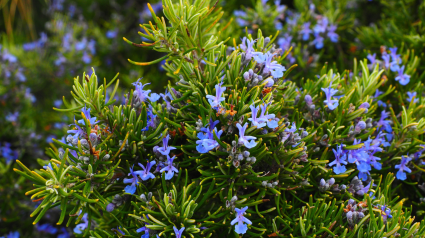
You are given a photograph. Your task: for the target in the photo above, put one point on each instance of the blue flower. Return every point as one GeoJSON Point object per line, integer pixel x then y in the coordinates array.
{"type": "Point", "coordinates": [241, 227]}
{"type": "Point", "coordinates": [145, 229]}
{"type": "Point", "coordinates": [169, 168]}
{"type": "Point", "coordinates": [340, 158]}
{"type": "Point", "coordinates": [402, 167]}
{"type": "Point", "coordinates": [293, 128]}
{"type": "Point", "coordinates": [47, 228]}
{"type": "Point", "coordinates": [385, 124]}
{"type": "Point", "coordinates": [165, 149]}
{"type": "Point", "coordinates": [318, 41]}
{"type": "Point", "coordinates": [270, 66]}
{"type": "Point", "coordinates": [86, 112]}
{"type": "Point", "coordinates": [13, 234]}
{"type": "Point", "coordinates": [239, 17]}
{"type": "Point", "coordinates": [272, 122]}
{"type": "Point", "coordinates": [146, 174]}
{"type": "Point", "coordinates": [177, 232]}
{"type": "Point", "coordinates": [385, 213]}
{"type": "Point", "coordinates": [330, 92]}
{"type": "Point", "coordinates": [321, 25]}
{"type": "Point", "coordinates": [258, 122]}
{"type": "Point", "coordinates": [306, 31]}
{"type": "Point", "coordinates": [285, 42]}
{"type": "Point", "coordinates": [7, 152]}
{"type": "Point", "coordinates": [206, 141]}
{"type": "Point", "coordinates": [411, 95]}
{"type": "Point", "coordinates": [331, 33]}
{"type": "Point", "coordinates": [131, 189]}
{"type": "Point", "coordinates": [215, 101]}
{"type": "Point", "coordinates": [386, 57]}
{"type": "Point", "coordinates": [364, 190]}
{"type": "Point", "coordinates": [141, 95]}
{"type": "Point", "coordinates": [402, 78]}
{"type": "Point", "coordinates": [112, 33]}
{"type": "Point", "coordinates": [64, 234]}
{"type": "Point", "coordinates": [82, 226]}
{"type": "Point", "coordinates": [77, 131]}
{"type": "Point", "coordinates": [247, 47]}
{"type": "Point", "coordinates": [245, 139]}
{"type": "Point", "coordinates": [12, 117]}
{"type": "Point", "coordinates": [150, 119]}
{"type": "Point", "coordinates": [167, 97]}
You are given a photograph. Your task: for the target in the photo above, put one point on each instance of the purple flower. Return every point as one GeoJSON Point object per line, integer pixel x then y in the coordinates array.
{"type": "Point", "coordinates": [131, 189]}
{"type": "Point", "coordinates": [13, 234]}
{"type": "Point", "coordinates": [239, 17]}
{"type": "Point", "coordinates": [402, 78]}
{"type": "Point", "coordinates": [396, 57]}
{"type": "Point", "coordinates": [285, 42]}
{"type": "Point", "coordinates": [82, 226]}
{"type": "Point", "coordinates": [293, 128]}
{"type": "Point", "coordinates": [385, 124]}
{"type": "Point", "coordinates": [340, 158]}
{"type": "Point", "coordinates": [177, 232]}
{"type": "Point", "coordinates": [47, 228]}
{"type": "Point", "coordinates": [372, 59]}
{"type": "Point", "coordinates": [386, 58]}
{"type": "Point", "coordinates": [7, 152]}
{"type": "Point", "coordinates": [86, 112]}
{"type": "Point", "coordinates": [247, 47]}
{"type": "Point", "coordinates": [385, 213]}
{"type": "Point", "coordinates": [402, 167]}
{"type": "Point", "coordinates": [145, 229]}
{"type": "Point", "coordinates": [330, 92]}
{"type": "Point", "coordinates": [306, 31]}
{"type": "Point", "coordinates": [169, 168]}
{"type": "Point", "coordinates": [215, 101]}
{"type": "Point", "coordinates": [258, 122]}
{"type": "Point", "coordinates": [318, 41]}
{"type": "Point", "coordinates": [146, 174]}
{"type": "Point", "coordinates": [272, 122]}
{"type": "Point", "coordinates": [364, 190]}
{"type": "Point", "coordinates": [112, 33]}
{"type": "Point", "coordinates": [321, 25]}
{"type": "Point", "coordinates": [165, 149]}
{"type": "Point", "coordinates": [12, 117]}
{"type": "Point", "coordinates": [241, 227]}
{"type": "Point", "coordinates": [206, 141]}
{"type": "Point", "coordinates": [365, 106]}
{"type": "Point", "coordinates": [411, 95]}
{"type": "Point", "coordinates": [331, 33]}
{"type": "Point", "coordinates": [245, 139]}
{"type": "Point", "coordinates": [141, 95]}
{"type": "Point", "coordinates": [168, 97]}
{"type": "Point", "coordinates": [77, 131]}
{"type": "Point", "coordinates": [270, 66]}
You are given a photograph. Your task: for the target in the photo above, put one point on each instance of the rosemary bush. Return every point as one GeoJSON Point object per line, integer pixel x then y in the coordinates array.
{"type": "Point", "coordinates": [244, 142]}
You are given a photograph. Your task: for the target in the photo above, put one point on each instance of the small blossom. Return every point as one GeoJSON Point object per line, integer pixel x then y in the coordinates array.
{"type": "Point", "coordinates": [340, 159]}
{"type": "Point", "coordinates": [306, 31]}
{"type": "Point", "coordinates": [385, 124]}
{"type": "Point", "coordinates": [402, 78]}
{"type": "Point", "coordinates": [131, 189]}
{"type": "Point", "coordinates": [402, 168]}
{"type": "Point", "coordinates": [330, 92]}
{"type": "Point", "coordinates": [177, 232]}
{"type": "Point", "coordinates": [258, 122]}
{"type": "Point", "coordinates": [165, 149]}
{"type": "Point", "coordinates": [82, 226]}
{"type": "Point", "coordinates": [331, 33]}
{"type": "Point", "coordinates": [146, 174]}
{"type": "Point", "coordinates": [215, 101]}
{"type": "Point", "coordinates": [169, 168]}
{"type": "Point", "coordinates": [86, 112]}
{"type": "Point", "coordinates": [206, 141]}
{"type": "Point", "coordinates": [411, 95]}
{"type": "Point", "coordinates": [270, 66]}
{"type": "Point", "coordinates": [245, 140]}
{"type": "Point", "coordinates": [141, 95]}
{"type": "Point", "coordinates": [318, 41]}
{"type": "Point", "coordinates": [385, 213]}
{"type": "Point", "coordinates": [247, 47]}
{"type": "Point", "coordinates": [241, 227]}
